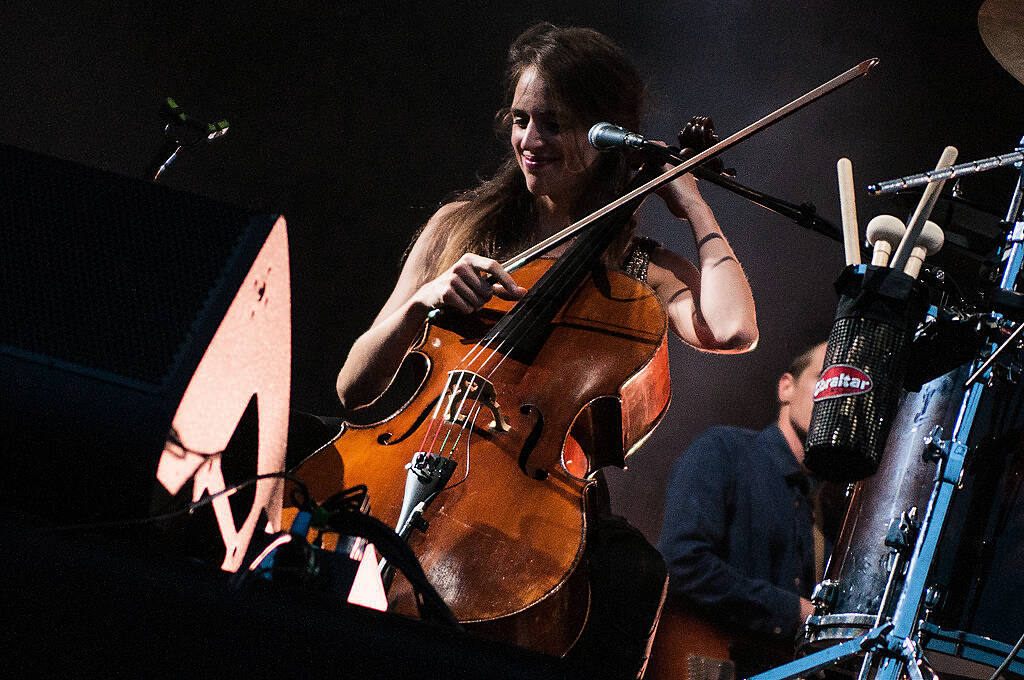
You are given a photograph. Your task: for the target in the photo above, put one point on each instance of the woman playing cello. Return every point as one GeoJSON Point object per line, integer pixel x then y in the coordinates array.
{"type": "Point", "coordinates": [561, 81]}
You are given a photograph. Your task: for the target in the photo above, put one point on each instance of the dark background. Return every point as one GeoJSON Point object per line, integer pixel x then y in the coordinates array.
{"type": "Point", "coordinates": [356, 119]}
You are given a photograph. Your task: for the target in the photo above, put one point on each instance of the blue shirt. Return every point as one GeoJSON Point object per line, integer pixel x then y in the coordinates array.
{"type": "Point", "coordinates": [737, 533]}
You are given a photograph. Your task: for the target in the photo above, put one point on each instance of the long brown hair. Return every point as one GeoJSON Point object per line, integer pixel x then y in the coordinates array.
{"type": "Point", "coordinates": [591, 80]}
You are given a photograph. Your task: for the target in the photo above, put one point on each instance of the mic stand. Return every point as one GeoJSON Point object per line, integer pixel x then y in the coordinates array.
{"type": "Point", "coordinates": [1014, 259]}
{"type": "Point", "coordinates": [804, 214]}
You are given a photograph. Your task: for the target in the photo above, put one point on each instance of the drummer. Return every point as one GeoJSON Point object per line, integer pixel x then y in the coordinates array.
{"type": "Point", "coordinates": [739, 531]}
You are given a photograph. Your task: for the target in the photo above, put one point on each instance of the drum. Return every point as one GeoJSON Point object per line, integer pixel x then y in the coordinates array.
{"type": "Point", "coordinates": [974, 608]}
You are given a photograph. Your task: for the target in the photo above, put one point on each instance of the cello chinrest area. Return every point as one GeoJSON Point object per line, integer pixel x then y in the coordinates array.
{"type": "Point", "coordinates": [505, 538]}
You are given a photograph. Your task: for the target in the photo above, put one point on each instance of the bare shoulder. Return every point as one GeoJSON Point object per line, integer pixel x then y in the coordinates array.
{"type": "Point", "coordinates": [431, 239]}
{"type": "Point", "coordinates": [432, 229]}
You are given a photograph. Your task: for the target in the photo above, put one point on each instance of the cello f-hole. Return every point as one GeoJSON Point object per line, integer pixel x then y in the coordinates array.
{"type": "Point", "coordinates": [531, 442]}
{"type": "Point", "coordinates": [385, 438]}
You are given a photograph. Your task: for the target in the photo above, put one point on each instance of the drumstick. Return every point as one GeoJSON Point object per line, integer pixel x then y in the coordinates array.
{"type": "Point", "coordinates": [931, 240]}
{"type": "Point", "coordinates": [848, 208]}
{"type": "Point", "coordinates": [884, 233]}
{"type": "Point", "coordinates": [923, 211]}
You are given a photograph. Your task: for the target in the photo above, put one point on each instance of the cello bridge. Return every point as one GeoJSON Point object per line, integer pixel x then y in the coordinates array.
{"type": "Point", "coordinates": [466, 392]}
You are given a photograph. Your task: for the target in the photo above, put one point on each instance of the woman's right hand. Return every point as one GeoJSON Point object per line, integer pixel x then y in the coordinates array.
{"type": "Point", "coordinates": [467, 285]}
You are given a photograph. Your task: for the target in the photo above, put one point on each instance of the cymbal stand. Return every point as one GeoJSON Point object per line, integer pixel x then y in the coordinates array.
{"type": "Point", "coordinates": [894, 644]}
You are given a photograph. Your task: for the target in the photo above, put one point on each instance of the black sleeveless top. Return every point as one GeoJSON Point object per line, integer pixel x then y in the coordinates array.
{"type": "Point", "coordinates": [638, 257]}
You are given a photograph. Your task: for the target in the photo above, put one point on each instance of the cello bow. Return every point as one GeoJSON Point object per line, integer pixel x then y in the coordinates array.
{"type": "Point", "coordinates": [538, 249]}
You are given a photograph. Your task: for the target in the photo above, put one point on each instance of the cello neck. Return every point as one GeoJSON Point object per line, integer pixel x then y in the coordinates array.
{"type": "Point", "coordinates": [526, 326]}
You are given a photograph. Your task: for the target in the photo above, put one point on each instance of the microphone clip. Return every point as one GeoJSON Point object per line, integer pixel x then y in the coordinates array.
{"type": "Point", "coordinates": [180, 130]}
{"type": "Point", "coordinates": [185, 130]}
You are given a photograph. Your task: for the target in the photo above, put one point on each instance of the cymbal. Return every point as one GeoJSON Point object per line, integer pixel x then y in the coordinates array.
{"type": "Point", "coordinates": [1001, 23]}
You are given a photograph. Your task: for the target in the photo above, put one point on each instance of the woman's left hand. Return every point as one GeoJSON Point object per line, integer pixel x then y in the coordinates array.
{"type": "Point", "coordinates": [682, 196]}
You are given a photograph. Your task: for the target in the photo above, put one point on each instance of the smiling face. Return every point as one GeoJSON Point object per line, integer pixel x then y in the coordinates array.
{"type": "Point", "coordinates": [555, 161]}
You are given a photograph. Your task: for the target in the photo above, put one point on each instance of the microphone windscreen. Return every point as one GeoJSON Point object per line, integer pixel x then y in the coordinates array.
{"type": "Point", "coordinates": [607, 136]}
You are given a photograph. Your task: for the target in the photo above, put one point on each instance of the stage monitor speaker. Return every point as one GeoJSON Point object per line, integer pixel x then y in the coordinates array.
{"type": "Point", "coordinates": [139, 326]}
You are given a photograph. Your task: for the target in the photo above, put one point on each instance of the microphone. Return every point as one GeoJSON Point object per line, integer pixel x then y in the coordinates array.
{"type": "Point", "coordinates": [605, 136]}
{"type": "Point", "coordinates": [181, 130]}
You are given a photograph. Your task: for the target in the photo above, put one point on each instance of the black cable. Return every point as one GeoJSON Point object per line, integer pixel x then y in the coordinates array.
{"type": "Point", "coordinates": [352, 522]}
{"type": "Point", "coordinates": [342, 513]}
{"type": "Point", "coordinates": [1008, 660]}
{"type": "Point", "coordinates": [187, 510]}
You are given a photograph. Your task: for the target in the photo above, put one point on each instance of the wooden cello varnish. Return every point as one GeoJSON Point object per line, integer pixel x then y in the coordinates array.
{"type": "Point", "coordinates": [505, 542]}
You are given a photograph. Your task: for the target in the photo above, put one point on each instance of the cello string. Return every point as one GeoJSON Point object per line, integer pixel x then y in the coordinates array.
{"type": "Point", "coordinates": [476, 348]}
{"type": "Point", "coordinates": [562, 278]}
{"type": "Point", "coordinates": [555, 292]}
{"type": "Point", "coordinates": [566, 274]}
{"type": "Point", "coordinates": [433, 417]}
{"type": "Point", "coordinates": [458, 413]}
{"type": "Point", "coordinates": [465, 476]}
{"type": "Point", "coordinates": [474, 412]}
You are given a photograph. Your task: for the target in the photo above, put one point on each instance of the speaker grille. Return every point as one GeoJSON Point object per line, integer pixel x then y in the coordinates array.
{"type": "Point", "coordinates": [127, 265]}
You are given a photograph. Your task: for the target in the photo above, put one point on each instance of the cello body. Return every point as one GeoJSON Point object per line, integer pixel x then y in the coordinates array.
{"type": "Point", "coordinates": [504, 545]}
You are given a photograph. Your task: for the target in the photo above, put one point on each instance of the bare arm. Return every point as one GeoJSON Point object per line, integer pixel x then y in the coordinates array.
{"type": "Point", "coordinates": [377, 354]}
{"type": "Point", "coordinates": [710, 306]}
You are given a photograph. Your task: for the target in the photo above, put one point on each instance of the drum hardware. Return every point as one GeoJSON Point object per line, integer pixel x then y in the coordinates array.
{"type": "Point", "coordinates": [995, 354]}
{"type": "Point", "coordinates": [824, 595]}
{"type": "Point", "coordinates": [889, 647]}
{"type": "Point", "coordinates": [894, 633]}
{"type": "Point", "coordinates": [912, 549]}
{"type": "Point", "coordinates": [893, 630]}
{"type": "Point", "coordinates": [903, 532]}
{"type": "Point", "coordinates": [933, 597]}
{"type": "Point", "coordinates": [900, 538]}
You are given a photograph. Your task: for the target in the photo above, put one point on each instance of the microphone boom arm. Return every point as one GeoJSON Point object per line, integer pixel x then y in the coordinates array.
{"type": "Point", "coordinates": [804, 214]}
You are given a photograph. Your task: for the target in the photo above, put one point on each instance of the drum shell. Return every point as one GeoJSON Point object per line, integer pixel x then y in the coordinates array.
{"type": "Point", "coordinates": [978, 572]}
{"type": "Point", "coordinates": [982, 545]}
{"type": "Point", "coordinates": [860, 560]}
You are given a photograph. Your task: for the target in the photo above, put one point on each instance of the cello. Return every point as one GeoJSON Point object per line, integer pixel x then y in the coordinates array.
{"type": "Point", "coordinates": [520, 405]}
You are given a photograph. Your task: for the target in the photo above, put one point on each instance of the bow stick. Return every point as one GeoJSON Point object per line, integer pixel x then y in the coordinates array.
{"type": "Point", "coordinates": [564, 235]}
